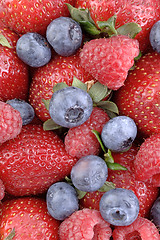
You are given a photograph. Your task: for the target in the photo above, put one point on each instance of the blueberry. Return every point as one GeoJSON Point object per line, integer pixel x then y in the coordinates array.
{"type": "Point", "coordinates": [119, 207]}
{"type": "Point", "coordinates": [65, 35]}
{"type": "Point", "coordinates": [26, 110]}
{"type": "Point", "coordinates": [61, 200]}
{"type": "Point", "coordinates": [33, 49]}
{"type": "Point", "coordinates": [119, 133]}
{"type": "Point", "coordinates": [89, 173]}
{"type": "Point", "coordinates": [155, 212]}
{"type": "Point", "coordinates": [70, 107]}
{"type": "Point", "coordinates": [154, 36]}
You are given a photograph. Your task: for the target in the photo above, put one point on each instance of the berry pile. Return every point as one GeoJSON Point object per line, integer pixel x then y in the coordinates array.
{"type": "Point", "coordinates": [80, 120]}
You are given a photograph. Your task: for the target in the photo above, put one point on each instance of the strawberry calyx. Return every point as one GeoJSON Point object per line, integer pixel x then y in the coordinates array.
{"type": "Point", "coordinates": [4, 42]}
{"type": "Point", "coordinates": [11, 235]}
{"type": "Point", "coordinates": [97, 91]}
{"type": "Point", "coordinates": [102, 28]}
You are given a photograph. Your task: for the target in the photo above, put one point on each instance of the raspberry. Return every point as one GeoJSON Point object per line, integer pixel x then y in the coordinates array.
{"type": "Point", "coordinates": [85, 224]}
{"type": "Point", "coordinates": [140, 229]}
{"type": "Point", "coordinates": [80, 141]}
{"type": "Point", "coordinates": [2, 189]}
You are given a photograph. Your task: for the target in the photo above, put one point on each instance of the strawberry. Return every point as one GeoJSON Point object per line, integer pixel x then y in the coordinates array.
{"type": "Point", "coordinates": [11, 122]}
{"type": "Point", "coordinates": [32, 16]}
{"type": "Point", "coordinates": [146, 193]}
{"type": "Point", "coordinates": [59, 69]}
{"type": "Point", "coordinates": [27, 218]}
{"type": "Point", "coordinates": [139, 97]}
{"type": "Point", "coordinates": [147, 162]}
{"type": "Point", "coordinates": [140, 229]}
{"type": "Point", "coordinates": [2, 190]}
{"type": "Point", "coordinates": [145, 13]}
{"type": "Point", "coordinates": [34, 160]}
{"type": "Point", "coordinates": [14, 76]}
{"type": "Point", "coordinates": [108, 60]}
{"type": "Point", "coordinates": [80, 141]}
{"type": "Point", "coordinates": [11, 36]}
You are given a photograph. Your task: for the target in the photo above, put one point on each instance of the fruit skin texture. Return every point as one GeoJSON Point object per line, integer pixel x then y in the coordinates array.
{"type": "Point", "coordinates": [59, 69]}
{"type": "Point", "coordinates": [147, 161]}
{"type": "Point", "coordinates": [32, 16]}
{"type": "Point", "coordinates": [85, 224]}
{"type": "Point", "coordinates": [108, 60]}
{"type": "Point", "coordinates": [80, 141]}
{"type": "Point", "coordinates": [30, 219]}
{"type": "Point", "coordinates": [2, 190]}
{"type": "Point", "coordinates": [139, 98]}
{"type": "Point", "coordinates": [145, 192]}
{"type": "Point", "coordinates": [33, 161]}
{"type": "Point", "coordinates": [141, 228]}
{"type": "Point", "coordinates": [11, 122]}
{"type": "Point", "coordinates": [145, 13]}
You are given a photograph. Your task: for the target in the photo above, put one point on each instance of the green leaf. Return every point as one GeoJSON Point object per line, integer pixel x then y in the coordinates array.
{"type": "Point", "coordinates": [46, 103]}
{"type": "Point", "coordinates": [80, 194]}
{"type": "Point", "coordinates": [59, 86]}
{"type": "Point", "coordinates": [50, 125]}
{"type": "Point", "coordinates": [108, 105]}
{"type": "Point", "coordinates": [4, 42]}
{"type": "Point", "coordinates": [116, 166]}
{"type": "Point", "coordinates": [97, 134]}
{"type": "Point", "coordinates": [77, 83]}
{"type": "Point", "coordinates": [11, 235]}
{"type": "Point", "coordinates": [129, 29]}
{"type": "Point", "coordinates": [98, 92]}
{"type": "Point", "coordinates": [89, 28]}
{"type": "Point", "coordinates": [108, 157]}
{"type": "Point", "coordinates": [108, 26]}
{"type": "Point", "coordinates": [107, 186]}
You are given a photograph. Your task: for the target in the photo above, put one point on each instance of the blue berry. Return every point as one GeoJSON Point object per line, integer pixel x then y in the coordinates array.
{"type": "Point", "coordinates": [155, 212]}
{"type": "Point", "coordinates": [119, 133]}
{"type": "Point", "coordinates": [26, 110]}
{"type": "Point", "coordinates": [154, 36]}
{"type": "Point", "coordinates": [33, 49]}
{"type": "Point", "coordinates": [70, 107]}
{"type": "Point", "coordinates": [119, 207]}
{"type": "Point", "coordinates": [89, 173]}
{"type": "Point", "coordinates": [65, 35]}
{"type": "Point", "coordinates": [61, 200]}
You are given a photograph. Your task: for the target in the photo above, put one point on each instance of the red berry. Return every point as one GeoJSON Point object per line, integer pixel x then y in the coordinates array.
{"type": "Point", "coordinates": [85, 224]}
{"type": "Point", "coordinates": [108, 60]}
{"type": "Point", "coordinates": [2, 190]}
{"type": "Point", "coordinates": [140, 229]}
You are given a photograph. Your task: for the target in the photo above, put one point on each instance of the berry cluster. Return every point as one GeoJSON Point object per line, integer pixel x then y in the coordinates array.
{"type": "Point", "coordinates": [80, 120]}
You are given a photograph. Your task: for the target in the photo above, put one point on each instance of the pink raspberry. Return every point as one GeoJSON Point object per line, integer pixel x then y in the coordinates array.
{"type": "Point", "coordinates": [2, 189]}
{"type": "Point", "coordinates": [140, 229]}
{"type": "Point", "coordinates": [11, 122]}
{"type": "Point", "coordinates": [85, 224]}
{"type": "Point", "coordinates": [80, 141]}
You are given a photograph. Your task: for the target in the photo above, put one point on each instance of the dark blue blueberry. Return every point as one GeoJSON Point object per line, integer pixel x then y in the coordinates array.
{"type": "Point", "coordinates": [154, 36]}
{"type": "Point", "coordinates": [65, 35]}
{"type": "Point", "coordinates": [70, 107]}
{"type": "Point", "coordinates": [26, 110]}
{"type": "Point", "coordinates": [61, 200]}
{"type": "Point", "coordinates": [119, 207]}
{"type": "Point", "coordinates": [33, 49]}
{"type": "Point", "coordinates": [119, 133]}
{"type": "Point", "coordinates": [155, 212]}
{"type": "Point", "coordinates": [89, 173]}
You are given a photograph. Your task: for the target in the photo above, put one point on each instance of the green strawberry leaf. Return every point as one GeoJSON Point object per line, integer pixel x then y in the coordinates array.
{"type": "Point", "coordinates": [59, 86]}
{"type": "Point", "coordinates": [83, 17]}
{"type": "Point", "coordinates": [129, 29]}
{"type": "Point", "coordinates": [98, 92]}
{"type": "Point", "coordinates": [11, 235]}
{"type": "Point", "coordinates": [108, 26]}
{"type": "Point", "coordinates": [79, 84]}
{"type": "Point", "coordinates": [4, 42]}
{"type": "Point", "coordinates": [115, 166]}
{"type": "Point", "coordinates": [97, 134]}
{"type": "Point", "coordinates": [107, 186]}
{"type": "Point", "coordinates": [80, 193]}
{"type": "Point", "coordinates": [108, 106]}
{"type": "Point", "coordinates": [46, 103]}
{"type": "Point", "coordinates": [50, 125]}
{"type": "Point", "coordinates": [108, 157]}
